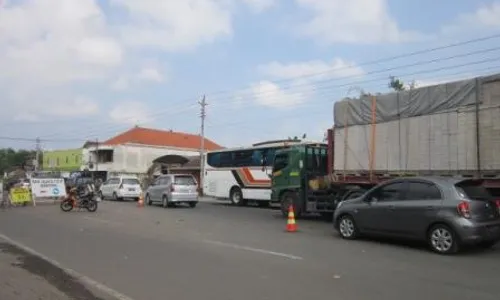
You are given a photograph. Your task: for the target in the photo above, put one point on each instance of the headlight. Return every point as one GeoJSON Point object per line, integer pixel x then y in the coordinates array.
{"type": "Point", "coordinates": [339, 204]}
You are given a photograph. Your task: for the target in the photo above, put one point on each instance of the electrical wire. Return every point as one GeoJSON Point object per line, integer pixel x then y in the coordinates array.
{"type": "Point", "coordinates": [312, 87]}
{"type": "Point", "coordinates": [315, 87]}
{"type": "Point", "coordinates": [366, 63]}
{"type": "Point", "coordinates": [226, 124]}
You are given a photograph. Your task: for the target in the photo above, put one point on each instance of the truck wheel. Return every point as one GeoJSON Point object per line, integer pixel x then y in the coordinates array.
{"type": "Point", "coordinates": [287, 199]}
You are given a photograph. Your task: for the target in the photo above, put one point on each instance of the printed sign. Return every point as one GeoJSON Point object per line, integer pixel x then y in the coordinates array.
{"type": "Point", "coordinates": [20, 195]}
{"type": "Point", "coordinates": [48, 187]}
{"type": "Point", "coordinates": [1, 191]}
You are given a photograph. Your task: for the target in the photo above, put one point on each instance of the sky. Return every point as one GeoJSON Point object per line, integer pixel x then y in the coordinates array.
{"type": "Point", "coordinates": [75, 70]}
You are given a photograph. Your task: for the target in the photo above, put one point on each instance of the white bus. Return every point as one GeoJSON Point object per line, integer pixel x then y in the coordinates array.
{"type": "Point", "coordinates": [243, 174]}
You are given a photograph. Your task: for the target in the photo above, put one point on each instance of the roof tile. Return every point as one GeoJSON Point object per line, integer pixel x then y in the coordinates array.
{"type": "Point", "coordinates": [155, 137]}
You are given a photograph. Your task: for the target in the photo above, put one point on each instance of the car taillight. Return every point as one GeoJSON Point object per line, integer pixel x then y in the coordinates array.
{"type": "Point", "coordinates": [172, 189]}
{"type": "Point", "coordinates": [497, 202]}
{"type": "Point", "coordinates": [120, 187]}
{"type": "Point", "coordinates": [463, 209]}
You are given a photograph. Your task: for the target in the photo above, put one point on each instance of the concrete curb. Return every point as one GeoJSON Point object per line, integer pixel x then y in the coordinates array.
{"type": "Point", "coordinates": [80, 277]}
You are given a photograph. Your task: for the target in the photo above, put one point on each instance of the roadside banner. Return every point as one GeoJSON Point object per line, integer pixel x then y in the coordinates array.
{"type": "Point", "coordinates": [48, 187]}
{"type": "Point", "coordinates": [1, 191]}
{"type": "Point", "coordinates": [19, 195]}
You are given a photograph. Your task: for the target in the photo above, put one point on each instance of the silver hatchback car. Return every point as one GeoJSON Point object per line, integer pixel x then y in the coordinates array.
{"type": "Point", "coordinates": [446, 212]}
{"type": "Point", "coordinates": [173, 189]}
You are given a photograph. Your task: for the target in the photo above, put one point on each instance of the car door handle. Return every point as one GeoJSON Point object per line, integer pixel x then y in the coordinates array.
{"type": "Point", "coordinates": [430, 207]}
{"type": "Point", "coordinates": [392, 207]}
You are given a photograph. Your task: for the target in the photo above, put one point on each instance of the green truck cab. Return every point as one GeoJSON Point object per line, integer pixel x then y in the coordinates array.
{"type": "Point", "coordinates": [298, 177]}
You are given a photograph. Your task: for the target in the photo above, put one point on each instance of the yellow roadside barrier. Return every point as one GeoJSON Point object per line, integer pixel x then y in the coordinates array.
{"type": "Point", "coordinates": [20, 195]}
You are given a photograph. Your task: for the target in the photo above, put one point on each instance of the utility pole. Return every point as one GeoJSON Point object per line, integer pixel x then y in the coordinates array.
{"type": "Point", "coordinates": [37, 154]}
{"type": "Point", "coordinates": [203, 114]}
{"type": "Point", "coordinates": [97, 154]}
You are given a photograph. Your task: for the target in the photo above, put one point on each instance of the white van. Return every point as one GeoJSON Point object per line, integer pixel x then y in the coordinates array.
{"type": "Point", "coordinates": [121, 187]}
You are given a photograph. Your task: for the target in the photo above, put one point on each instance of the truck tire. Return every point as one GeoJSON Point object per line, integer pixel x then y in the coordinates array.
{"type": "Point", "coordinates": [290, 198]}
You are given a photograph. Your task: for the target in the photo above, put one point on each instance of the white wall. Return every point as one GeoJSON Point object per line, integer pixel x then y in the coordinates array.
{"type": "Point", "coordinates": [137, 159]}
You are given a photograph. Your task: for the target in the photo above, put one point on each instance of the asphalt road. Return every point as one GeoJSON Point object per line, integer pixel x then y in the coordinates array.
{"type": "Point", "coordinates": [221, 252]}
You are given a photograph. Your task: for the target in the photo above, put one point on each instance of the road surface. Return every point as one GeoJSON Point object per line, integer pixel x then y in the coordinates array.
{"type": "Point", "coordinates": [221, 252]}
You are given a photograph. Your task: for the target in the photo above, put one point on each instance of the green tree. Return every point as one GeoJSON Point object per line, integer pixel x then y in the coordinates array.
{"type": "Point", "coordinates": [10, 158]}
{"type": "Point", "coordinates": [396, 84]}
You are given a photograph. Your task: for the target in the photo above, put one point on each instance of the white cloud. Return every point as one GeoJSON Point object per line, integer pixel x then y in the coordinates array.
{"type": "Point", "coordinates": [63, 105]}
{"type": "Point", "coordinates": [311, 70]}
{"type": "Point", "coordinates": [150, 74]}
{"type": "Point", "coordinates": [354, 21]}
{"type": "Point", "coordinates": [300, 77]}
{"type": "Point", "coordinates": [121, 84]}
{"type": "Point", "coordinates": [267, 93]}
{"type": "Point", "coordinates": [50, 42]}
{"type": "Point", "coordinates": [130, 113]}
{"type": "Point", "coordinates": [174, 25]}
{"type": "Point", "coordinates": [259, 6]}
{"type": "Point", "coordinates": [484, 17]}
{"type": "Point", "coordinates": [54, 47]}
{"type": "Point", "coordinates": [145, 74]}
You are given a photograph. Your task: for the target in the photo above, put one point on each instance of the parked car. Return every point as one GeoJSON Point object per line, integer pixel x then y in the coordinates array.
{"type": "Point", "coordinates": [121, 187]}
{"type": "Point", "coordinates": [173, 189]}
{"type": "Point", "coordinates": [447, 213]}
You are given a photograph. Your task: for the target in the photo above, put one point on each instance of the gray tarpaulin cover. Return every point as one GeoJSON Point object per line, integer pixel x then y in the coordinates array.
{"type": "Point", "coordinates": [405, 104]}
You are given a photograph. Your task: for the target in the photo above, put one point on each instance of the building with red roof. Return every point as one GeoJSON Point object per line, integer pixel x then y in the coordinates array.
{"type": "Point", "coordinates": [135, 150]}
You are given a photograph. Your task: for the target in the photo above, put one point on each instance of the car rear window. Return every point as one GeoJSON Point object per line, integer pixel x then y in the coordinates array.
{"type": "Point", "coordinates": [130, 181]}
{"type": "Point", "coordinates": [475, 192]}
{"type": "Point", "coordinates": [184, 180]}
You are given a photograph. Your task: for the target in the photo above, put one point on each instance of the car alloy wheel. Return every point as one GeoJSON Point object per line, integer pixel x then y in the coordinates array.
{"type": "Point", "coordinates": [442, 240]}
{"type": "Point", "coordinates": [347, 227]}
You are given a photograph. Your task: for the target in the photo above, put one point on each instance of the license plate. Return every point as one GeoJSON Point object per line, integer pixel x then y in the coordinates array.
{"type": "Point", "coordinates": [131, 190]}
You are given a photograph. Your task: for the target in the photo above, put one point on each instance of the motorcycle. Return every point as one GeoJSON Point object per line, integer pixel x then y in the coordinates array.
{"type": "Point", "coordinates": [81, 197]}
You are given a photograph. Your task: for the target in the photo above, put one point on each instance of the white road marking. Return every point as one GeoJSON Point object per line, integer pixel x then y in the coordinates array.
{"type": "Point", "coordinates": [264, 251]}
{"type": "Point", "coordinates": [82, 278]}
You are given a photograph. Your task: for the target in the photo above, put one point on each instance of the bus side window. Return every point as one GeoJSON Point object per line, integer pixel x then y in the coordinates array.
{"type": "Point", "coordinates": [213, 159]}
{"type": "Point", "coordinates": [270, 157]}
{"type": "Point", "coordinates": [226, 160]}
{"type": "Point", "coordinates": [258, 157]}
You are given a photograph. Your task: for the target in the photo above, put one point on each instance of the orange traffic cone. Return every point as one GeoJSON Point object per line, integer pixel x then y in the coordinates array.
{"type": "Point", "coordinates": [291, 226]}
{"type": "Point", "coordinates": [140, 202]}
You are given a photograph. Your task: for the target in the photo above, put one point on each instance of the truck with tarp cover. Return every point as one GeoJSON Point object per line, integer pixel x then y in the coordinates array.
{"type": "Point", "coordinates": [450, 129]}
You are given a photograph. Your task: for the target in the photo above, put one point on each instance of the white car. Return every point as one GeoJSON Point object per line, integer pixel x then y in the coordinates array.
{"type": "Point", "coordinates": [119, 188]}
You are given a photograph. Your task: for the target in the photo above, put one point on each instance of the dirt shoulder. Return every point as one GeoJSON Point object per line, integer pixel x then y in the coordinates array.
{"type": "Point", "coordinates": [27, 277]}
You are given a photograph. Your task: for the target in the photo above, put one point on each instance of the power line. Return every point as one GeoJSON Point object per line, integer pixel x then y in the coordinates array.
{"type": "Point", "coordinates": [367, 63]}
{"type": "Point", "coordinates": [315, 89]}
{"type": "Point", "coordinates": [322, 110]}
{"type": "Point", "coordinates": [377, 61]}
{"type": "Point", "coordinates": [420, 63]}
{"type": "Point", "coordinates": [313, 86]}
{"type": "Point", "coordinates": [324, 88]}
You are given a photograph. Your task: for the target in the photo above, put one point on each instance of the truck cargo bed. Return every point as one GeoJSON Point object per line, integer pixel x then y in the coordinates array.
{"type": "Point", "coordinates": [462, 138]}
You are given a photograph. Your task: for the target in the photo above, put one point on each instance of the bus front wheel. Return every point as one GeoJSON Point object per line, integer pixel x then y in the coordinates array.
{"type": "Point", "coordinates": [236, 197]}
